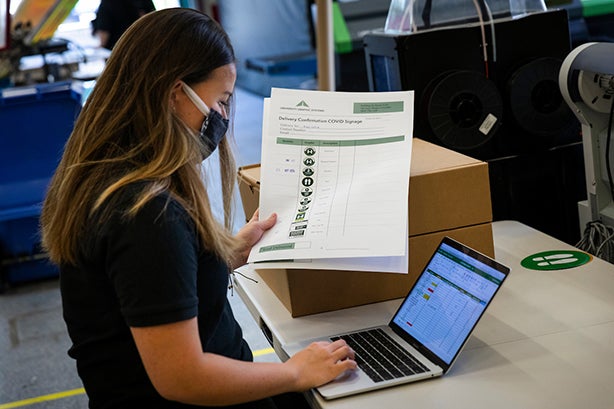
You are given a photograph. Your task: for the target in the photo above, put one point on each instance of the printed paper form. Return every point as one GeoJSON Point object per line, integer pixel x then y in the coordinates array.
{"type": "Point", "coordinates": [335, 168]}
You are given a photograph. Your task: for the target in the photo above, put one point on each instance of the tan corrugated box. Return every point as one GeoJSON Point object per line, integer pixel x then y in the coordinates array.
{"type": "Point", "coordinates": [249, 188]}
{"type": "Point", "coordinates": [449, 194]}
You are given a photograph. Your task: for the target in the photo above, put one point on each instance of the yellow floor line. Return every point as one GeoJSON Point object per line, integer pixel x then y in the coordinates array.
{"type": "Point", "coordinates": [43, 398]}
{"type": "Point", "coordinates": [259, 352]}
{"type": "Point", "coordinates": [80, 391]}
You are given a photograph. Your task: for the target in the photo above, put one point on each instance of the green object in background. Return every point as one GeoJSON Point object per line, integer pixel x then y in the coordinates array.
{"type": "Point", "coordinates": [556, 260]}
{"type": "Point", "coordinates": [591, 8]}
{"type": "Point", "coordinates": [341, 34]}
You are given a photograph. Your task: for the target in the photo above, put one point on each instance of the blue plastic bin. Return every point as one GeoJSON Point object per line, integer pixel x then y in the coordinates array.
{"type": "Point", "coordinates": [35, 122]}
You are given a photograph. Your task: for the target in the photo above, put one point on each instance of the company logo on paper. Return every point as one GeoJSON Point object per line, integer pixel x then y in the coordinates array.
{"type": "Point", "coordinates": [300, 106]}
{"type": "Point", "coordinates": [555, 260]}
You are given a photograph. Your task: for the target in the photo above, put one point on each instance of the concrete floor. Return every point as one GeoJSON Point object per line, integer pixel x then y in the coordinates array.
{"type": "Point", "coordinates": [35, 371]}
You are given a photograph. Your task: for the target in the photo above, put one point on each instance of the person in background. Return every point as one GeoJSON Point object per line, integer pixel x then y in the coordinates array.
{"type": "Point", "coordinates": [144, 264]}
{"type": "Point", "coordinates": [113, 17]}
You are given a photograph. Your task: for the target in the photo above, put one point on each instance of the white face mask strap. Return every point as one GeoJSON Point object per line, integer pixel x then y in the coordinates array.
{"type": "Point", "coordinates": [202, 107]}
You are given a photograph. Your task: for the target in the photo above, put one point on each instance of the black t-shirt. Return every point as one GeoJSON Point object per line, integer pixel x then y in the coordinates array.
{"type": "Point", "coordinates": [142, 271]}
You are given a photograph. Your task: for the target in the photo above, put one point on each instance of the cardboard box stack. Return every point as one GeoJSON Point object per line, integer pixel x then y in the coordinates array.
{"type": "Point", "coordinates": [449, 195]}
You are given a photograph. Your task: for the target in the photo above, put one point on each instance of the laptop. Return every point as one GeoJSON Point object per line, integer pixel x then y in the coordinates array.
{"type": "Point", "coordinates": [430, 328]}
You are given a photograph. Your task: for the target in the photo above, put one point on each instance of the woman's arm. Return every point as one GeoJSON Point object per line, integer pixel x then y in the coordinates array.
{"type": "Point", "coordinates": [180, 371]}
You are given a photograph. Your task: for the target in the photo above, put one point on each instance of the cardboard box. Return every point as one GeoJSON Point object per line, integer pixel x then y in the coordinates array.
{"type": "Point", "coordinates": [306, 292]}
{"type": "Point", "coordinates": [446, 189]}
{"type": "Point", "coordinates": [449, 194]}
{"type": "Point", "coordinates": [249, 189]}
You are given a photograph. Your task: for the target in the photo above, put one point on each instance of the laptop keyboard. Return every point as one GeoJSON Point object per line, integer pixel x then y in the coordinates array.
{"type": "Point", "coordinates": [381, 357]}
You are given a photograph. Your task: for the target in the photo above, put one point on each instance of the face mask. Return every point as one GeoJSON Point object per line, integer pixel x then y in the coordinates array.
{"type": "Point", "coordinates": [214, 126]}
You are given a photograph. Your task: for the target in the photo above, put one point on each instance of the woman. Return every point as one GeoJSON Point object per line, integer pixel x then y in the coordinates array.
{"type": "Point", "coordinates": [144, 266]}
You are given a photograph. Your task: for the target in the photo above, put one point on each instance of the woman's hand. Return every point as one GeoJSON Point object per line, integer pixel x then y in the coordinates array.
{"type": "Point", "coordinates": [320, 363]}
{"type": "Point", "coordinates": [250, 234]}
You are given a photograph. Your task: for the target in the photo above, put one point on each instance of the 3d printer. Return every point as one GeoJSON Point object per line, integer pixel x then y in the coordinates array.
{"type": "Point", "coordinates": [586, 80]}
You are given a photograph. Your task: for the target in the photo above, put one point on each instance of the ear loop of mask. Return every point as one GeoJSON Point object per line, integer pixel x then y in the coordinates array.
{"type": "Point", "coordinates": [202, 107]}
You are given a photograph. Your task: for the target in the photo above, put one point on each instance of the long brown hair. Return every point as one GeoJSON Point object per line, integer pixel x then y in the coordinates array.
{"type": "Point", "coordinates": [127, 132]}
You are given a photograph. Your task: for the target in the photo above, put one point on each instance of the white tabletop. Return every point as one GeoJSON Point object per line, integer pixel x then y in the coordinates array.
{"type": "Point", "coordinates": [546, 341]}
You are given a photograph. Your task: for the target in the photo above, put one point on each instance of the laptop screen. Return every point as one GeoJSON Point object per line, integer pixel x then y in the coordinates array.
{"type": "Point", "coordinates": [449, 298]}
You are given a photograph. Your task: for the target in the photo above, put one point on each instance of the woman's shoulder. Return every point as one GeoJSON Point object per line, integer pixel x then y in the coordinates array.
{"type": "Point", "coordinates": [160, 202]}
{"type": "Point", "coordinates": [133, 201]}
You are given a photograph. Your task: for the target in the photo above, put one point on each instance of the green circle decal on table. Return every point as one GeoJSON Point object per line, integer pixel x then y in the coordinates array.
{"type": "Point", "coordinates": [556, 260]}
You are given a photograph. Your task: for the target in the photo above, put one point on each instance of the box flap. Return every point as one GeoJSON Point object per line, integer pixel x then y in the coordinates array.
{"type": "Point", "coordinates": [251, 174]}
{"type": "Point", "coordinates": [427, 158]}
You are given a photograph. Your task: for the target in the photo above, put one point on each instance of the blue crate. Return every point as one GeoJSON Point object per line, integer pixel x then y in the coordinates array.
{"type": "Point", "coordinates": [21, 258]}
{"type": "Point", "coordinates": [35, 122]}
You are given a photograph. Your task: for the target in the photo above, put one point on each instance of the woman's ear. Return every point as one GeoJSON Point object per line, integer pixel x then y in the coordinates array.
{"type": "Point", "coordinates": [175, 94]}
